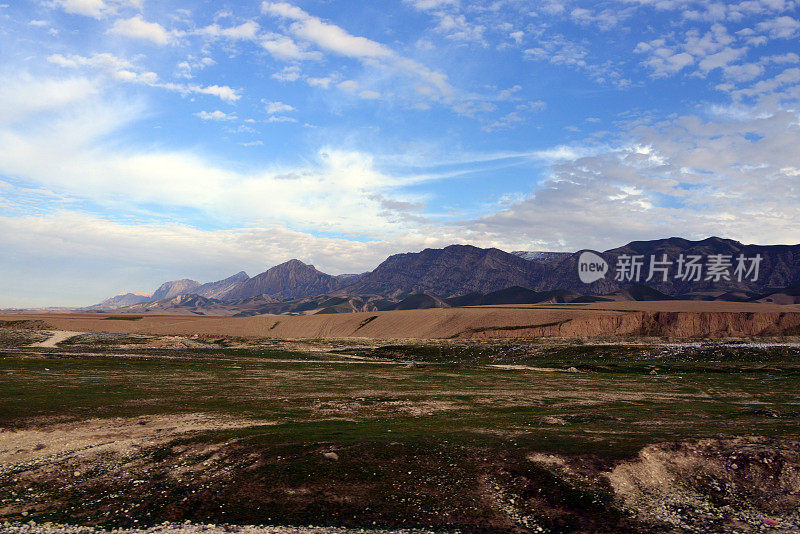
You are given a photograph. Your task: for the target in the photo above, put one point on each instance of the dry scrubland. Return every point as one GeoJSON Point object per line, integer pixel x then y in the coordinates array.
{"type": "Point", "coordinates": [231, 426]}
{"type": "Point", "coordinates": [674, 319]}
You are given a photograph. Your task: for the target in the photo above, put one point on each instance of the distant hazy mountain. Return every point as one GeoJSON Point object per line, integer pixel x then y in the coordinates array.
{"type": "Point", "coordinates": [175, 288]}
{"type": "Point", "coordinates": [120, 301]}
{"type": "Point", "coordinates": [347, 279]}
{"type": "Point", "coordinates": [219, 289]}
{"type": "Point", "coordinates": [168, 290]}
{"type": "Point", "coordinates": [541, 256]}
{"type": "Point", "coordinates": [289, 280]}
{"type": "Point", "coordinates": [189, 303]}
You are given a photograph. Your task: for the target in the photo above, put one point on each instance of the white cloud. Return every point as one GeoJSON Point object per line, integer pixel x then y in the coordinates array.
{"type": "Point", "coordinates": [711, 50]}
{"type": "Point", "coordinates": [89, 8]}
{"type": "Point", "coordinates": [115, 67]}
{"type": "Point", "coordinates": [704, 177]}
{"type": "Point", "coordinates": [348, 85]}
{"type": "Point", "coordinates": [245, 31]}
{"type": "Point", "coordinates": [333, 192]}
{"type": "Point", "coordinates": [286, 49]}
{"type": "Point", "coordinates": [23, 95]}
{"type": "Point", "coordinates": [780, 27]}
{"type": "Point", "coordinates": [337, 40]}
{"type": "Point", "coordinates": [456, 26]}
{"type": "Point", "coordinates": [222, 91]}
{"type": "Point", "coordinates": [216, 115]}
{"type": "Point", "coordinates": [558, 50]}
{"type": "Point", "coordinates": [532, 105]}
{"type": "Point", "coordinates": [280, 118]}
{"type": "Point", "coordinates": [509, 120]}
{"type": "Point", "coordinates": [789, 57]}
{"type": "Point", "coordinates": [288, 74]}
{"type": "Point", "coordinates": [96, 8]}
{"type": "Point", "coordinates": [744, 72]}
{"type": "Point", "coordinates": [187, 68]}
{"type": "Point", "coordinates": [277, 107]}
{"type": "Point", "coordinates": [325, 35]}
{"type": "Point", "coordinates": [790, 77]}
{"type": "Point", "coordinates": [320, 82]}
{"type": "Point", "coordinates": [431, 4]}
{"type": "Point", "coordinates": [138, 28]}
{"type": "Point", "coordinates": [721, 59]}
{"type": "Point", "coordinates": [451, 21]}
{"type": "Point", "coordinates": [125, 71]}
{"type": "Point", "coordinates": [508, 94]}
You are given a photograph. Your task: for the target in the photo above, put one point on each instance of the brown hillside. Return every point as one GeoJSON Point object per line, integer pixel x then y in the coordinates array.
{"type": "Point", "coordinates": [673, 319]}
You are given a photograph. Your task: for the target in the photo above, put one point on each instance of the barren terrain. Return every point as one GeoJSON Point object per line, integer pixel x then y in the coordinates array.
{"type": "Point", "coordinates": [171, 426]}
{"type": "Point", "coordinates": [667, 319]}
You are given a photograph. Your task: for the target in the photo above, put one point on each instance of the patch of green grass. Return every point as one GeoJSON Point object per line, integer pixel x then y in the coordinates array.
{"type": "Point", "coordinates": [418, 445]}
{"type": "Point", "coordinates": [614, 403]}
{"type": "Point", "coordinates": [123, 318]}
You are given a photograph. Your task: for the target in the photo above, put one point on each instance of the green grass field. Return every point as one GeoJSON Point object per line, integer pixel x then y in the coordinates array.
{"type": "Point", "coordinates": [420, 430]}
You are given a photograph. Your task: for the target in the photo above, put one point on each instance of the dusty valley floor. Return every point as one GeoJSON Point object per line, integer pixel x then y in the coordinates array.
{"type": "Point", "coordinates": [106, 424]}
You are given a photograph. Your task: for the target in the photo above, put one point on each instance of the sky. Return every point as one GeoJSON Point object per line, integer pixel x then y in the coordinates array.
{"type": "Point", "coordinates": [145, 141]}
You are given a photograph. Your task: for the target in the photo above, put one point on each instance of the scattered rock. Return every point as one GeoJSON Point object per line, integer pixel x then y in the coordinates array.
{"type": "Point", "coordinates": [550, 420]}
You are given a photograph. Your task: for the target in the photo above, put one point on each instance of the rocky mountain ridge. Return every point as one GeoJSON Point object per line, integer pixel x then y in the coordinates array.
{"type": "Point", "coordinates": [460, 275]}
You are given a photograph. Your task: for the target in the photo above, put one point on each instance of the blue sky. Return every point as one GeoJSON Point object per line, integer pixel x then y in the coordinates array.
{"type": "Point", "coordinates": [142, 141]}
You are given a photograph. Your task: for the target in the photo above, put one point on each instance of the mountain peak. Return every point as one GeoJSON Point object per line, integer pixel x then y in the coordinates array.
{"type": "Point", "coordinates": [220, 288]}
{"type": "Point", "coordinates": [294, 263]}
{"type": "Point", "coordinates": [175, 288]}
{"type": "Point", "coordinates": [290, 279]}
{"type": "Point", "coordinates": [450, 271]}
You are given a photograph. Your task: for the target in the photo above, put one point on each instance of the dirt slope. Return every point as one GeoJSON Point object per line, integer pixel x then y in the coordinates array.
{"type": "Point", "coordinates": [675, 321]}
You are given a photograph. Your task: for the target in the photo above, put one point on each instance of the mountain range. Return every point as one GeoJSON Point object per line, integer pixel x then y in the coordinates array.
{"type": "Point", "coordinates": [464, 275]}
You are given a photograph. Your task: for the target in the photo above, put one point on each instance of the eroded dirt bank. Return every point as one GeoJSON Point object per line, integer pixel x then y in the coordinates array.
{"type": "Point", "coordinates": [449, 323]}
{"type": "Point", "coordinates": [672, 325]}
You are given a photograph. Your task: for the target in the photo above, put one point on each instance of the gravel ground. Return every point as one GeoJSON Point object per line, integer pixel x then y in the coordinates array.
{"type": "Point", "coordinates": [193, 528]}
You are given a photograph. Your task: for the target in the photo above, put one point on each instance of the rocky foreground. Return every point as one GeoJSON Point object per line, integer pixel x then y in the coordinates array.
{"type": "Point", "coordinates": [193, 528]}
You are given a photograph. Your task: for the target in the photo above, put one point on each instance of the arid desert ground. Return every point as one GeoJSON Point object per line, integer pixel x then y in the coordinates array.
{"type": "Point", "coordinates": [612, 417]}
